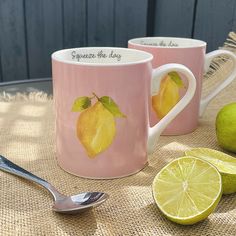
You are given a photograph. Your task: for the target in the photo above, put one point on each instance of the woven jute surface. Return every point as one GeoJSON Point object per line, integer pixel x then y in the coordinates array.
{"type": "Point", "coordinates": [27, 137]}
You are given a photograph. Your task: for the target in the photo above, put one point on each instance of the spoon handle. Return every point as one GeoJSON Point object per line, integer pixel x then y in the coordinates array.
{"type": "Point", "coordinates": [12, 168]}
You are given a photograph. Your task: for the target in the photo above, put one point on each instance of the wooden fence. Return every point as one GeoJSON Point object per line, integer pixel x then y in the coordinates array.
{"type": "Point", "coordinates": [30, 30]}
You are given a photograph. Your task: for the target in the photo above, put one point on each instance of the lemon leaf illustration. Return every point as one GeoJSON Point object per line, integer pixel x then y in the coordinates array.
{"type": "Point", "coordinates": [81, 103]}
{"type": "Point", "coordinates": [176, 78]}
{"type": "Point", "coordinates": [111, 106]}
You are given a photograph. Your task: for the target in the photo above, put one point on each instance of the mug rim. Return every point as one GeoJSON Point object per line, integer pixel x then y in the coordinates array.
{"type": "Point", "coordinates": [200, 43]}
{"type": "Point", "coordinates": [56, 56]}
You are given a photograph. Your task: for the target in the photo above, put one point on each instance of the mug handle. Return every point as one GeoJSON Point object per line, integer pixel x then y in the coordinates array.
{"type": "Point", "coordinates": [208, 58]}
{"type": "Point", "coordinates": [157, 76]}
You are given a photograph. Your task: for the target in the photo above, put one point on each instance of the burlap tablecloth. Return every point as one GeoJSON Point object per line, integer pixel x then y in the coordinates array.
{"type": "Point", "coordinates": [27, 137]}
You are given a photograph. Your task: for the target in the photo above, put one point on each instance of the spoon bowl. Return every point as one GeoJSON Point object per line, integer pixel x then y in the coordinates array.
{"type": "Point", "coordinates": [79, 202]}
{"type": "Point", "coordinates": [62, 204]}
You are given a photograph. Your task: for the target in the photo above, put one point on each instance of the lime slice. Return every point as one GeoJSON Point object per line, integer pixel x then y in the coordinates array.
{"type": "Point", "coordinates": [187, 190]}
{"type": "Point", "coordinates": [225, 164]}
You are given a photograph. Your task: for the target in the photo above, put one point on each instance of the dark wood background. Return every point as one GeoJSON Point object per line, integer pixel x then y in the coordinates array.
{"type": "Point", "coordinates": [30, 30]}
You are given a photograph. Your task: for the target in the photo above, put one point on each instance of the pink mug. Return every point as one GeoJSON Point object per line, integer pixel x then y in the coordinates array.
{"type": "Point", "coordinates": [101, 98]}
{"type": "Point", "coordinates": [191, 53]}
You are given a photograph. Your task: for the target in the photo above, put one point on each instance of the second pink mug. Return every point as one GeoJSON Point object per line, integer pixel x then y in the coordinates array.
{"type": "Point", "coordinates": [192, 54]}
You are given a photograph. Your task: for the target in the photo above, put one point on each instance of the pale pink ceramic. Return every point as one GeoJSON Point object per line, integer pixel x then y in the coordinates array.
{"type": "Point", "coordinates": [191, 53]}
{"type": "Point", "coordinates": [125, 75]}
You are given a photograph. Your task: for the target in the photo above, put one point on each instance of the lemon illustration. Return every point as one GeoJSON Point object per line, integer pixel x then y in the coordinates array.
{"type": "Point", "coordinates": [168, 95]}
{"type": "Point", "coordinates": [96, 125]}
{"type": "Point", "coordinates": [187, 190]}
{"type": "Point", "coordinates": [96, 129]}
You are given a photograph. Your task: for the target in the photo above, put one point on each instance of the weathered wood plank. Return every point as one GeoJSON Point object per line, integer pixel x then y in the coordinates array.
{"type": "Point", "coordinates": [214, 20]}
{"type": "Point", "coordinates": [100, 22]}
{"type": "Point", "coordinates": [25, 50]}
{"type": "Point", "coordinates": [12, 41]}
{"type": "Point", "coordinates": [130, 20]}
{"type": "Point", "coordinates": [174, 18]}
{"type": "Point", "coordinates": [1, 79]}
{"type": "Point", "coordinates": [44, 34]}
{"type": "Point", "coordinates": [74, 23]}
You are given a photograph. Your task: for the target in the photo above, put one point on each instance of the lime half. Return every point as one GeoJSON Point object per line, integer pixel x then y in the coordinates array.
{"type": "Point", "coordinates": [225, 164]}
{"type": "Point", "coordinates": [187, 190]}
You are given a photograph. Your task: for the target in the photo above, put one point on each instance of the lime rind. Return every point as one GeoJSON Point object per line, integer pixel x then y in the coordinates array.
{"type": "Point", "coordinates": [225, 164]}
{"type": "Point", "coordinates": [200, 214]}
{"type": "Point", "coordinates": [226, 127]}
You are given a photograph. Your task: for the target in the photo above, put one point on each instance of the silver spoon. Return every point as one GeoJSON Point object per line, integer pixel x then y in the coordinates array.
{"type": "Point", "coordinates": [62, 204]}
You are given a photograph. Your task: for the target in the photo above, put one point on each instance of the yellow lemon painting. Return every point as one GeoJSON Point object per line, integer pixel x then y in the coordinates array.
{"type": "Point", "coordinates": [96, 126]}
{"type": "Point", "coordinates": [168, 95]}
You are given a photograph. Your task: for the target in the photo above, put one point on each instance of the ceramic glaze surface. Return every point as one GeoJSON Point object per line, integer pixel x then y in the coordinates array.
{"type": "Point", "coordinates": [101, 101]}
{"type": "Point", "coordinates": [130, 141]}
{"type": "Point", "coordinates": [192, 54]}
{"type": "Point", "coordinates": [191, 57]}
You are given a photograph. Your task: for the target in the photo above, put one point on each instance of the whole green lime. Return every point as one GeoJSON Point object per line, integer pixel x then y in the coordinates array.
{"type": "Point", "coordinates": [226, 127]}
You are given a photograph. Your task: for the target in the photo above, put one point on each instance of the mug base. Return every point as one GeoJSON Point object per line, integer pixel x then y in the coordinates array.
{"type": "Point", "coordinates": [177, 133]}
{"type": "Point", "coordinates": [103, 177]}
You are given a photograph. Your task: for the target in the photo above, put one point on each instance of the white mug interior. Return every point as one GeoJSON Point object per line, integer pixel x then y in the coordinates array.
{"type": "Point", "coordinates": [168, 42]}
{"type": "Point", "coordinates": [102, 56]}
